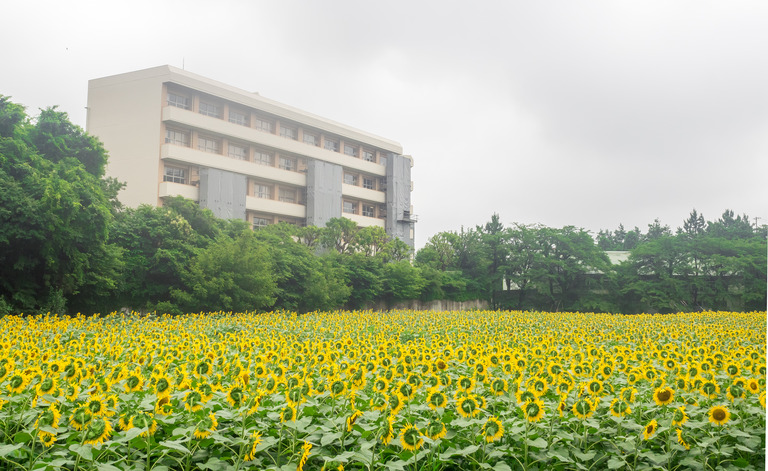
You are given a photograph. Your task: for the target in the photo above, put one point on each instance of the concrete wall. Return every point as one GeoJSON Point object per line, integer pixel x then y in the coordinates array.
{"type": "Point", "coordinates": [323, 192]}
{"type": "Point", "coordinates": [436, 305]}
{"type": "Point", "coordinates": [223, 193]}
{"type": "Point", "coordinates": [399, 198]}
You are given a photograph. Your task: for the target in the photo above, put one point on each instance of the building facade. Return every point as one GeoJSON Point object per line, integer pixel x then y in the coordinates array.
{"type": "Point", "coordinates": [170, 132]}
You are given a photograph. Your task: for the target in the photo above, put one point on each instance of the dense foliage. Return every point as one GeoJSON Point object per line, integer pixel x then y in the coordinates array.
{"type": "Point", "coordinates": [67, 246]}
{"type": "Point", "coordinates": [390, 390]}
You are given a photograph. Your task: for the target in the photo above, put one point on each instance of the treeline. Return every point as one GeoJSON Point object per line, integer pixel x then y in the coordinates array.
{"type": "Point", "coordinates": [68, 246]}
{"type": "Point", "coordinates": [718, 265]}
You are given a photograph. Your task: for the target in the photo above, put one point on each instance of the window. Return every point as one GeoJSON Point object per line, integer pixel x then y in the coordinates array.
{"type": "Point", "coordinates": [287, 163]}
{"type": "Point", "coordinates": [259, 222]}
{"type": "Point", "coordinates": [383, 160]}
{"type": "Point", "coordinates": [238, 117]}
{"type": "Point", "coordinates": [311, 139]}
{"type": "Point", "coordinates": [350, 150]}
{"type": "Point", "coordinates": [179, 138]}
{"type": "Point", "coordinates": [287, 195]}
{"type": "Point", "coordinates": [350, 179]}
{"type": "Point", "coordinates": [238, 152]}
{"type": "Point", "coordinates": [368, 183]}
{"type": "Point", "coordinates": [331, 144]}
{"type": "Point", "coordinates": [383, 184]}
{"type": "Point", "coordinates": [349, 207]}
{"type": "Point", "coordinates": [262, 158]}
{"type": "Point", "coordinates": [209, 109]}
{"type": "Point", "coordinates": [263, 123]}
{"type": "Point", "coordinates": [179, 101]}
{"type": "Point", "coordinates": [369, 155]}
{"type": "Point", "coordinates": [175, 175]}
{"type": "Point", "coordinates": [207, 144]}
{"type": "Point", "coordinates": [288, 132]}
{"type": "Point", "coordinates": [262, 191]}
{"type": "Point", "coordinates": [368, 211]}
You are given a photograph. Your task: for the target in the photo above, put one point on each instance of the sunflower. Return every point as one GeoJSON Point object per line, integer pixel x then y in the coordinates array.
{"type": "Point", "coordinates": [80, 417]}
{"type": "Point", "coordinates": [734, 392]}
{"type": "Point", "coordinates": [380, 384]}
{"type": "Point", "coordinates": [762, 399]}
{"type": "Point", "coordinates": [288, 414]}
{"type": "Point", "coordinates": [620, 408]}
{"type": "Point", "coordinates": [163, 406]}
{"type": "Point", "coordinates": [255, 441]}
{"type": "Point", "coordinates": [47, 386]}
{"type": "Point", "coordinates": [681, 439]}
{"type": "Point", "coordinates": [143, 420]}
{"type": "Point", "coordinates": [410, 438]}
{"type": "Point", "coordinates": [538, 386]}
{"type": "Point", "coordinates": [162, 386]}
{"type": "Point", "coordinates": [436, 399]}
{"type": "Point", "coordinates": [583, 408]}
{"type": "Point", "coordinates": [467, 406]}
{"type": "Point", "coordinates": [719, 415]}
{"type": "Point", "coordinates": [389, 433]}
{"type": "Point", "coordinates": [206, 426]}
{"type": "Point", "coordinates": [47, 439]}
{"type": "Point", "coordinates": [338, 387]}
{"type": "Point", "coordinates": [435, 430]}
{"type": "Point", "coordinates": [492, 429]}
{"type": "Point", "coordinates": [465, 383]}
{"type": "Point", "coordinates": [499, 386]}
{"type": "Point", "coordinates": [562, 406]}
{"type": "Point", "coordinates": [395, 403]}
{"type": "Point", "coordinates": [663, 396]}
{"type": "Point", "coordinates": [193, 401]}
{"type": "Point", "coordinates": [594, 387]}
{"type": "Point", "coordinates": [49, 417]}
{"type": "Point", "coordinates": [134, 382]}
{"type": "Point", "coordinates": [533, 410]}
{"type": "Point", "coordinates": [352, 419]}
{"type": "Point", "coordinates": [525, 395]}
{"type": "Point", "coordinates": [96, 405]}
{"type": "Point", "coordinates": [709, 389]}
{"type": "Point", "coordinates": [304, 455]}
{"type": "Point", "coordinates": [650, 429]}
{"type": "Point", "coordinates": [679, 417]}
{"type": "Point", "coordinates": [628, 394]}
{"type": "Point", "coordinates": [753, 386]}
{"type": "Point", "coordinates": [17, 383]}
{"type": "Point", "coordinates": [97, 431]}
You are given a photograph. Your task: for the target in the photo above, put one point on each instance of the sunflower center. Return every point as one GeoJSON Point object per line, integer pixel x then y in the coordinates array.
{"type": "Point", "coordinates": [718, 414]}
{"type": "Point", "coordinates": [664, 395]}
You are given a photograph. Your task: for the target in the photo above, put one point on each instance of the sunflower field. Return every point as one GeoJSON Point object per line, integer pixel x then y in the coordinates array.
{"type": "Point", "coordinates": [392, 390]}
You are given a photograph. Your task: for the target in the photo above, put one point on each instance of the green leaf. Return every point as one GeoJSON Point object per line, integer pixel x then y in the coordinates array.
{"type": "Point", "coordinates": [616, 463]}
{"type": "Point", "coordinates": [330, 438]}
{"type": "Point", "coordinates": [468, 450]}
{"type": "Point", "coordinates": [22, 437]}
{"type": "Point", "coordinates": [585, 456]}
{"type": "Point", "coordinates": [175, 446]}
{"type": "Point", "coordinates": [109, 467]}
{"type": "Point", "coordinates": [502, 466]}
{"type": "Point", "coordinates": [5, 450]}
{"type": "Point", "coordinates": [84, 451]}
{"type": "Point", "coordinates": [538, 443]}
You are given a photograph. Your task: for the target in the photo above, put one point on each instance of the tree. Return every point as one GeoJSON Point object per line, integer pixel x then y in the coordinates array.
{"type": "Point", "coordinates": [54, 214]}
{"type": "Point", "coordinates": [230, 275]}
{"type": "Point", "coordinates": [339, 235]}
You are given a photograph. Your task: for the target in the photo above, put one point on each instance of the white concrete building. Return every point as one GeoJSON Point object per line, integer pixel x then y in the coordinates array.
{"type": "Point", "coordinates": [170, 132]}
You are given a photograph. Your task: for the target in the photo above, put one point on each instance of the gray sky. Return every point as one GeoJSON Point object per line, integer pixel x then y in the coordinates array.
{"type": "Point", "coordinates": [560, 113]}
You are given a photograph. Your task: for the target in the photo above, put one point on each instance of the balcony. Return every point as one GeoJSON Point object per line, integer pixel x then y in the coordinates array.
{"type": "Point", "coordinates": [193, 120]}
{"type": "Point", "coordinates": [268, 206]}
{"type": "Point", "coordinates": [178, 189]}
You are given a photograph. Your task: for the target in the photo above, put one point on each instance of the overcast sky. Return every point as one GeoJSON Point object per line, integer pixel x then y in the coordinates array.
{"type": "Point", "coordinates": [561, 113]}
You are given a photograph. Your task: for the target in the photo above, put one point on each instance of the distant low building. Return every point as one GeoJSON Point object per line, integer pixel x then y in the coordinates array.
{"type": "Point", "coordinates": [170, 132]}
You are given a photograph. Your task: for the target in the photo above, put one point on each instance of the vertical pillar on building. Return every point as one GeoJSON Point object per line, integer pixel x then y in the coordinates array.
{"type": "Point", "coordinates": [223, 193]}
{"type": "Point", "coordinates": [400, 221]}
{"type": "Point", "coordinates": [323, 192]}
